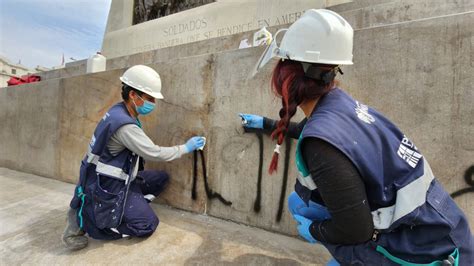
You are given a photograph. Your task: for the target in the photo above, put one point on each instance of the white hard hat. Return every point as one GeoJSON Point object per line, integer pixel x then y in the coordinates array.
{"type": "Point", "coordinates": [144, 79]}
{"type": "Point", "coordinates": [320, 36]}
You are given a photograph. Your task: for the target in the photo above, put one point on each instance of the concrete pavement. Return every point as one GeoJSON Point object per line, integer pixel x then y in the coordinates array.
{"type": "Point", "coordinates": [32, 218]}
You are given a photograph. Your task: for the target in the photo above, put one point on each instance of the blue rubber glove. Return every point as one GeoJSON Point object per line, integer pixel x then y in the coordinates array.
{"type": "Point", "coordinates": [252, 121]}
{"type": "Point", "coordinates": [194, 143]}
{"type": "Point", "coordinates": [303, 228]}
{"type": "Point", "coordinates": [312, 210]}
{"type": "Point", "coordinates": [318, 211]}
{"type": "Point", "coordinates": [333, 262]}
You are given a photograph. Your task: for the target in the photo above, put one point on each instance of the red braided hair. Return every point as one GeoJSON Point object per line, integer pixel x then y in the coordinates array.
{"type": "Point", "coordinates": [290, 83]}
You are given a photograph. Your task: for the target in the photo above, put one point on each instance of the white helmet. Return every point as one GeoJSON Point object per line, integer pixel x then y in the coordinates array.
{"type": "Point", "coordinates": [320, 36]}
{"type": "Point", "coordinates": [144, 79]}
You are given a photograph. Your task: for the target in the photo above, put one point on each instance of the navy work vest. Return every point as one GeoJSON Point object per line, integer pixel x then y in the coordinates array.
{"type": "Point", "coordinates": [416, 218]}
{"type": "Point", "coordinates": [105, 163]}
{"type": "Point", "coordinates": [99, 162]}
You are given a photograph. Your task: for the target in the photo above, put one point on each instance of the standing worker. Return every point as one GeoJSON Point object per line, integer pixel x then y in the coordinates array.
{"type": "Point", "coordinates": [364, 189]}
{"type": "Point", "coordinates": [112, 197]}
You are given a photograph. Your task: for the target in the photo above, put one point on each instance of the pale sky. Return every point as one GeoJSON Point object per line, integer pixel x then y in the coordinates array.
{"type": "Point", "coordinates": [38, 32]}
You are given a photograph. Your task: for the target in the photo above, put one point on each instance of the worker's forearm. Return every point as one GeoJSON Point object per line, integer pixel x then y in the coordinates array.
{"type": "Point", "coordinates": [343, 192]}
{"type": "Point", "coordinates": [134, 139]}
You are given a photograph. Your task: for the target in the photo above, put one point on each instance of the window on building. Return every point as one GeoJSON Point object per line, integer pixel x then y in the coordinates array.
{"type": "Point", "coordinates": [13, 71]}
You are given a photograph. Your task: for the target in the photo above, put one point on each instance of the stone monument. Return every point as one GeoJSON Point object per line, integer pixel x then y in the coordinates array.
{"type": "Point", "coordinates": [146, 25]}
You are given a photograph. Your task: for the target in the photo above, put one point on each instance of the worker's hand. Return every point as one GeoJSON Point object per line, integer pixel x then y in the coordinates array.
{"type": "Point", "coordinates": [303, 228]}
{"type": "Point", "coordinates": [310, 210]}
{"type": "Point", "coordinates": [252, 121]}
{"type": "Point", "coordinates": [195, 143]}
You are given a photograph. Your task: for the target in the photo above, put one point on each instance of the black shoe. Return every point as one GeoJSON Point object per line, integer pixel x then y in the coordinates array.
{"type": "Point", "coordinates": [73, 237]}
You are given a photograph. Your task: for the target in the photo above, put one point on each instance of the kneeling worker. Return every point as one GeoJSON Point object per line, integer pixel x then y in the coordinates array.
{"type": "Point", "coordinates": [112, 197]}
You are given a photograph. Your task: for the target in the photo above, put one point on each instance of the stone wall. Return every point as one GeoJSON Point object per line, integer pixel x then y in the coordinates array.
{"type": "Point", "coordinates": [49, 124]}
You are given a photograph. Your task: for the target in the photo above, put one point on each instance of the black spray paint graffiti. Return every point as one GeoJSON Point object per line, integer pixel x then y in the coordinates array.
{"type": "Point", "coordinates": [288, 142]}
{"type": "Point", "coordinates": [257, 203]}
{"type": "Point", "coordinates": [468, 176]}
{"type": "Point", "coordinates": [209, 193]}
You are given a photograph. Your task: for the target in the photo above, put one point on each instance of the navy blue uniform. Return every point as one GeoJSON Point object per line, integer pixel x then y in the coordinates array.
{"type": "Point", "coordinates": [414, 218]}
{"type": "Point", "coordinates": [111, 187]}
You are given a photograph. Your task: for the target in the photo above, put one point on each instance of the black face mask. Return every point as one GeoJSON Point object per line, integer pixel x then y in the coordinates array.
{"type": "Point", "coordinates": [327, 76]}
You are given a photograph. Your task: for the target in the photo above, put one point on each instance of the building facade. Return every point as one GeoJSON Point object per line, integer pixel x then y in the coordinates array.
{"type": "Point", "coordinates": [9, 70]}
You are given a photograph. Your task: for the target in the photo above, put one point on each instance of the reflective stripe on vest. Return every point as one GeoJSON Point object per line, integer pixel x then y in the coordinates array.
{"type": "Point", "coordinates": [107, 169]}
{"type": "Point", "coordinates": [92, 158]}
{"type": "Point", "coordinates": [111, 171]}
{"type": "Point", "coordinates": [306, 181]}
{"type": "Point", "coordinates": [408, 199]}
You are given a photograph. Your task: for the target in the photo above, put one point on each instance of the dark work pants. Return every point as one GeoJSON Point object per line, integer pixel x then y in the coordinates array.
{"type": "Point", "coordinates": [139, 219]}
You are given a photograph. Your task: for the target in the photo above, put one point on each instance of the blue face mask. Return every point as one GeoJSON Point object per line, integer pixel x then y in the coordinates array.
{"type": "Point", "coordinates": [146, 108]}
